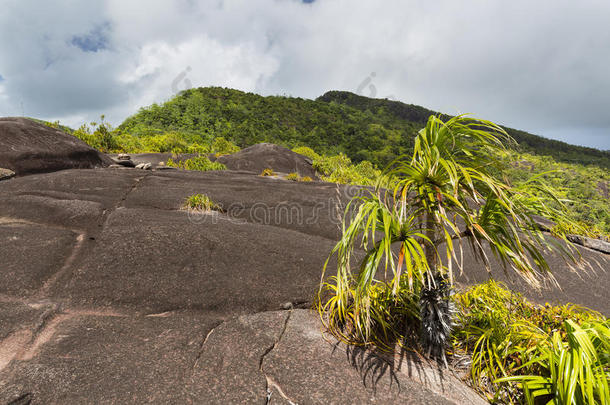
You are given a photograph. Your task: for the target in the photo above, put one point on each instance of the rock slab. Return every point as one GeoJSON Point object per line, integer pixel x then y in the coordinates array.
{"type": "Point", "coordinates": [29, 147]}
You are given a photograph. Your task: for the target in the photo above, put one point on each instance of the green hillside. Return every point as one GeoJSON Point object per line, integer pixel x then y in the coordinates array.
{"type": "Point", "coordinates": [245, 118]}
{"type": "Point", "coordinates": [389, 111]}
{"type": "Point", "coordinates": [376, 130]}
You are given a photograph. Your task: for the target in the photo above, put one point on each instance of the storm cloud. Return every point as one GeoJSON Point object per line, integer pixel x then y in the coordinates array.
{"type": "Point", "coordinates": [538, 66]}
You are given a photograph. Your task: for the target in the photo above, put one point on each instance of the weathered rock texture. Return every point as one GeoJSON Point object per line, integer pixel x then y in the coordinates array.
{"type": "Point", "coordinates": [262, 156]}
{"type": "Point", "coordinates": [29, 147]}
{"type": "Point", "coordinates": [110, 292]}
{"type": "Point", "coordinates": [595, 244]}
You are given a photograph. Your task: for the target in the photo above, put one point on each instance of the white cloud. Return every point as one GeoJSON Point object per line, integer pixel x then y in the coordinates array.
{"type": "Point", "coordinates": [160, 70]}
{"type": "Point", "coordinates": [538, 66]}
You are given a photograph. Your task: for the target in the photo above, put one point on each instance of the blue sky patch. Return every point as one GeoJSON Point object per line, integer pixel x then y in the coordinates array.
{"type": "Point", "coordinates": [95, 40]}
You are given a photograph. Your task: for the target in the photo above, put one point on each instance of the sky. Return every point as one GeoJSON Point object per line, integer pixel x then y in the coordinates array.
{"type": "Point", "coordinates": [537, 66]}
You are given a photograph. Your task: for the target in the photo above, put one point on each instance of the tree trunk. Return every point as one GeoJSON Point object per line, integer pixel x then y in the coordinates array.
{"type": "Point", "coordinates": [436, 309]}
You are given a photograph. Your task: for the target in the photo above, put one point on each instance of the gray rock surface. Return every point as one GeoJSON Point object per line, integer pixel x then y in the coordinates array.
{"type": "Point", "coordinates": [261, 156]}
{"type": "Point", "coordinates": [104, 356]}
{"type": "Point", "coordinates": [285, 356]}
{"type": "Point", "coordinates": [109, 291]}
{"type": "Point", "coordinates": [302, 354]}
{"type": "Point", "coordinates": [31, 254]}
{"type": "Point", "coordinates": [595, 244]}
{"type": "Point", "coordinates": [29, 147]}
{"type": "Point", "coordinates": [585, 286]}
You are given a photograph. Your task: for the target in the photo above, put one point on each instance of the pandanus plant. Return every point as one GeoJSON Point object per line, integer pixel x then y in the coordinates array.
{"type": "Point", "coordinates": [407, 234]}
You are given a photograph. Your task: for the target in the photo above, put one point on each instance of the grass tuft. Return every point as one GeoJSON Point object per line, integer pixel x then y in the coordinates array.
{"type": "Point", "coordinates": [201, 202]}
{"type": "Point", "coordinates": [267, 172]}
{"type": "Point", "coordinates": [293, 176]}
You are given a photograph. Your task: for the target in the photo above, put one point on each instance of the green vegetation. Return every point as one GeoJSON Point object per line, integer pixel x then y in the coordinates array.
{"type": "Point", "coordinates": [340, 169]}
{"type": "Point", "coordinates": [449, 191]}
{"type": "Point", "coordinates": [575, 367]}
{"type": "Point", "coordinates": [200, 163]}
{"type": "Point", "coordinates": [584, 189]}
{"type": "Point", "coordinates": [293, 176]}
{"type": "Point", "coordinates": [388, 112]}
{"type": "Point", "coordinates": [558, 354]}
{"type": "Point", "coordinates": [201, 202]}
{"type": "Point", "coordinates": [360, 127]}
{"type": "Point", "coordinates": [204, 114]}
{"type": "Point", "coordinates": [96, 135]}
{"type": "Point", "coordinates": [521, 351]}
{"type": "Point", "coordinates": [220, 146]}
{"type": "Point", "coordinates": [267, 172]}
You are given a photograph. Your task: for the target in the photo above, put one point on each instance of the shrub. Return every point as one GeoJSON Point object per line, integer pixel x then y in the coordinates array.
{"type": "Point", "coordinates": [339, 169]}
{"type": "Point", "coordinates": [306, 151]}
{"type": "Point", "coordinates": [98, 136]}
{"type": "Point", "coordinates": [200, 163]}
{"type": "Point", "coordinates": [505, 335]}
{"type": "Point", "coordinates": [220, 146]}
{"type": "Point", "coordinates": [167, 142]}
{"type": "Point", "coordinates": [293, 176]}
{"type": "Point", "coordinates": [267, 172]}
{"type": "Point", "coordinates": [201, 202]}
{"type": "Point", "coordinates": [197, 148]}
{"type": "Point", "coordinates": [305, 179]}
{"type": "Point", "coordinates": [329, 164]}
{"type": "Point", "coordinates": [570, 366]}
{"type": "Point", "coordinates": [581, 228]}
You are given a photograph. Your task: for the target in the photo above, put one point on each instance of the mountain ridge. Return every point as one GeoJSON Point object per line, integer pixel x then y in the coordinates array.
{"type": "Point", "coordinates": [338, 121]}
{"type": "Point", "coordinates": [420, 114]}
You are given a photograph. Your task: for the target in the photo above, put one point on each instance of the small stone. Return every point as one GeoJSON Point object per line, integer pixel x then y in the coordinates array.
{"type": "Point", "coordinates": [123, 156]}
{"type": "Point", "coordinates": [6, 174]}
{"type": "Point", "coordinates": [286, 306]}
{"type": "Point", "coordinates": [144, 166]}
{"type": "Point", "coordinates": [125, 163]}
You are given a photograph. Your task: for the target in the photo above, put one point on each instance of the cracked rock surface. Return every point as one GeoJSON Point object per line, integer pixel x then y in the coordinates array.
{"type": "Point", "coordinates": [110, 292]}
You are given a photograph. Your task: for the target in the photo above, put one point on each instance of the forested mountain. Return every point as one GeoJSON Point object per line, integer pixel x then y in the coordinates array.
{"type": "Point", "coordinates": [388, 111]}
{"type": "Point", "coordinates": [376, 130]}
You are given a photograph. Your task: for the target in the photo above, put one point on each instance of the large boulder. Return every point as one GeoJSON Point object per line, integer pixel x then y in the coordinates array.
{"type": "Point", "coordinates": [263, 156]}
{"type": "Point", "coordinates": [29, 147]}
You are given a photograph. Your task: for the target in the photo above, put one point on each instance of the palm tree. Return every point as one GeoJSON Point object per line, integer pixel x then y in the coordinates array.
{"type": "Point", "coordinates": [449, 192]}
